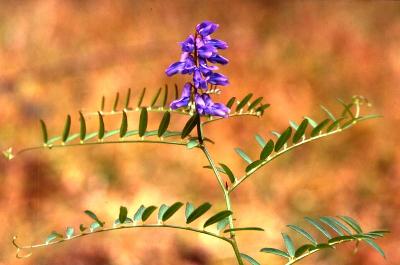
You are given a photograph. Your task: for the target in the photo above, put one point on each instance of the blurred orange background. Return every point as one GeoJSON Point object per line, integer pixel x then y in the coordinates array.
{"type": "Point", "coordinates": [58, 57]}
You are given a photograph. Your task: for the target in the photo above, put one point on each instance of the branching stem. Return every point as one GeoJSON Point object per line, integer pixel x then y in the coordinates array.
{"type": "Point", "coordinates": [227, 202]}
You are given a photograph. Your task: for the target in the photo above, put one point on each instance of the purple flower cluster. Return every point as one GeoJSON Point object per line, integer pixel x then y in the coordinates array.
{"type": "Point", "coordinates": [198, 52]}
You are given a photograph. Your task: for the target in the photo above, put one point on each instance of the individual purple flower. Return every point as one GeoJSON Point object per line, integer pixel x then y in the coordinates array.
{"type": "Point", "coordinates": [183, 101]}
{"type": "Point", "coordinates": [217, 79]}
{"type": "Point", "coordinates": [198, 80]}
{"type": "Point", "coordinates": [186, 65]}
{"type": "Point", "coordinates": [206, 51]}
{"type": "Point", "coordinates": [206, 28]}
{"type": "Point", "coordinates": [205, 106]}
{"type": "Point", "coordinates": [188, 44]}
{"type": "Point", "coordinates": [175, 68]}
{"type": "Point", "coordinates": [219, 44]}
{"type": "Point", "coordinates": [216, 58]}
{"type": "Point", "coordinates": [189, 66]}
{"type": "Point", "coordinates": [206, 69]}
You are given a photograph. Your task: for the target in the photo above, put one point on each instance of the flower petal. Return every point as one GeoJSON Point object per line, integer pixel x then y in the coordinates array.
{"type": "Point", "coordinates": [175, 68]}
{"type": "Point", "coordinates": [206, 28]}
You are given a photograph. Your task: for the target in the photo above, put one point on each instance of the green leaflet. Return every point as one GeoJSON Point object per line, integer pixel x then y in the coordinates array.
{"type": "Point", "coordinates": [339, 224]}
{"type": "Point", "coordinates": [300, 131]}
{"type": "Point", "coordinates": [143, 122]}
{"type": "Point", "coordinates": [67, 128]}
{"type": "Point", "coordinates": [347, 108]}
{"type": "Point", "coordinates": [189, 209]}
{"type": "Point", "coordinates": [230, 102]}
{"type": "Point", "coordinates": [311, 122]}
{"type": "Point", "coordinates": [244, 229]}
{"type": "Point", "coordinates": [94, 226]}
{"type": "Point", "coordinates": [330, 115]}
{"type": "Point", "coordinates": [375, 246]}
{"type": "Point", "coordinates": [334, 125]}
{"type": "Point", "coordinates": [139, 104]}
{"type": "Point", "coordinates": [190, 124]}
{"type": "Point", "coordinates": [275, 251]}
{"type": "Point", "coordinates": [164, 124]}
{"type": "Point", "coordinates": [262, 108]}
{"type": "Point", "coordinates": [128, 98]}
{"type": "Point", "coordinates": [304, 233]}
{"type": "Point", "coordinates": [255, 103]}
{"type": "Point", "coordinates": [302, 249]}
{"type": "Point", "coordinates": [101, 126]}
{"type": "Point", "coordinates": [283, 139]}
{"type": "Point", "coordinates": [199, 211]}
{"type": "Point", "coordinates": [352, 223]}
{"type": "Point", "coordinates": [222, 224]}
{"type": "Point", "coordinates": [176, 91]}
{"type": "Point", "coordinates": [294, 125]}
{"type": "Point", "coordinates": [44, 131]}
{"type": "Point", "coordinates": [53, 236]}
{"type": "Point", "coordinates": [243, 155]}
{"type": "Point", "coordinates": [228, 172]}
{"type": "Point", "coordinates": [244, 101]}
{"type": "Point", "coordinates": [251, 260]}
{"type": "Point", "coordinates": [163, 208]}
{"type": "Point", "coordinates": [123, 214]}
{"type": "Point", "coordinates": [69, 232]}
{"type": "Point", "coordinates": [138, 215]}
{"type": "Point", "coordinates": [217, 217]}
{"type": "Point", "coordinates": [146, 213]}
{"type": "Point", "coordinates": [340, 239]}
{"type": "Point", "coordinates": [260, 140]}
{"type": "Point", "coordinates": [253, 165]}
{"type": "Point", "coordinates": [289, 244]}
{"type": "Point", "coordinates": [115, 106]}
{"type": "Point", "coordinates": [103, 103]}
{"type": "Point", "coordinates": [124, 125]}
{"type": "Point", "coordinates": [192, 143]}
{"type": "Point", "coordinates": [82, 131]}
{"type": "Point", "coordinates": [332, 225]}
{"type": "Point", "coordinates": [154, 100]}
{"type": "Point", "coordinates": [267, 150]}
{"type": "Point", "coordinates": [319, 127]}
{"type": "Point", "coordinates": [165, 96]}
{"type": "Point", "coordinates": [94, 217]}
{"type": "Point", "coordinates": [318, 226]}
{"type": "Point", "coordinates": [171, 211]}
{"type": "Point", "coordinates": [82, 228]}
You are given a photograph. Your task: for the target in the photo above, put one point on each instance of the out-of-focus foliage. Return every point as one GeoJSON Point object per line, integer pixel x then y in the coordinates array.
{"type": "Point", "coordinates": [60, 56]}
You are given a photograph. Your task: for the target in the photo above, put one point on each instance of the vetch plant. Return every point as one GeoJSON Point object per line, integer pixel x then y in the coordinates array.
{"type": "Point", "coordinates": [200, 60]}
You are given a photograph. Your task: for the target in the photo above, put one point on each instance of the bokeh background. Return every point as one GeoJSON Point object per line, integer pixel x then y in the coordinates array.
{"type": "Point", "coordinates": [57, 57]}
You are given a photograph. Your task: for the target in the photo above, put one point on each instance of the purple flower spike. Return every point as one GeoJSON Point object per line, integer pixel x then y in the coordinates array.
{"type": "Point", "coordinates": [206, 28]}
{"type": "Point", "coordinates": [217, 79]}
{"type": "Point", "coordinates": [183, 101]}
{"type": "Point", "coordinates": [205, 106]}
{"type": "Point", "coordinates": [198, 58]}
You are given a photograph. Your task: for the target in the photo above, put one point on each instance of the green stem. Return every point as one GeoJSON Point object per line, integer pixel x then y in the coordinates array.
{"type": "Point", "coordinates": [227, 202]}
{"type": "Point", "coordinates": [51, 146]}
{"type": "Point", "coordinates": [19, 248]}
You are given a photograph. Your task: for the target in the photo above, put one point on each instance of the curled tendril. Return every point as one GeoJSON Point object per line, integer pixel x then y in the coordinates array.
{"type": "Point", "coordinates": [20, 248]}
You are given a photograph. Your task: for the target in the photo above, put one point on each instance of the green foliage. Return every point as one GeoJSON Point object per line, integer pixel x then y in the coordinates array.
{"type": "Point", "coordinates": [296, 135]}
{"type": "Point", "coordinates": [334, 230]}
{"type": "Point", "coordinates": [339, 226]}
